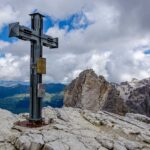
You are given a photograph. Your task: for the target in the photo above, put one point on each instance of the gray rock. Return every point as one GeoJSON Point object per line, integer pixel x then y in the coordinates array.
{"type": "Point", "coordinates": [76, 129]}
{"type": "Point", "coordinates": [93, 92]}
{"type": "Point", "coordinates": [119, 146]}
{"type": "Point", "coordinates": [105, 142]}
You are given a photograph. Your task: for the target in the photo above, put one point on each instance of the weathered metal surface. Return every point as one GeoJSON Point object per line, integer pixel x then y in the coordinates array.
{"type": "Point", "coordinates": [24, 33]}
{"type": "Point", "coordinates": [35, 78]}
{"type": "Point", "coordinates": [14, 29]}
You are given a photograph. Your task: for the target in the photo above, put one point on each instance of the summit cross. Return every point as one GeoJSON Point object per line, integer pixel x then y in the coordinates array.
{"type": "Point", "coordinates": [37, 63]}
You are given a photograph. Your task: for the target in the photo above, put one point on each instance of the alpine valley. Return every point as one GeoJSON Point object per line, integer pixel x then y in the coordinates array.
{"type": "Point", "coordinates": [14, 95]}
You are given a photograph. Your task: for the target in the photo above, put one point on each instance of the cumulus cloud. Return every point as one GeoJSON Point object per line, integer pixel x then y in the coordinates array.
{"type": "Point", "coordinates": [13, 67]}
{"type": "Point", "coordinates": [113, 44]}
{"type": "Point", "coordinates": [18, 11]}
{"type": "Point", "coordinates": [7, 15]}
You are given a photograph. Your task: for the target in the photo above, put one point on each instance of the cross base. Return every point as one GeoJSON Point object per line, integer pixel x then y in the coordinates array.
{"type": "Point", "coordinates": [31, 124]}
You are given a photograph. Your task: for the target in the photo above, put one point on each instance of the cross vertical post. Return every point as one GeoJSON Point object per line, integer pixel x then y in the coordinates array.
{"type": "Point", "coordinates": [37, 63]}
{"type": "Point", "coordinates": [35, 79]}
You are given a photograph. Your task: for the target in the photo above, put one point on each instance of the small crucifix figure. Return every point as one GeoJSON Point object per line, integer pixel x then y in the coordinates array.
{"type": "Point", "coordinates": [37, 63]}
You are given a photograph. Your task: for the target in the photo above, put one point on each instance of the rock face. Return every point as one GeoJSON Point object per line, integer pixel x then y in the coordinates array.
{"type": "Point", "coordinates": [76, 129]}
{"type": "Point", "coordinates": [136, 95]}
{"type": "Point", "coordinates": [92, 92]}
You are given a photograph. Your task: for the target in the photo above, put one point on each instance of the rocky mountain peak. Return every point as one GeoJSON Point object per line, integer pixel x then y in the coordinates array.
{"type": "Point", "coordinates": [88, 71]}
{"type": "Point", "coordinates": [86, 86]}
{"type": "Point", "coordinates": [93, 92]}
{"type": "Point", "coordinates": [90, 91]}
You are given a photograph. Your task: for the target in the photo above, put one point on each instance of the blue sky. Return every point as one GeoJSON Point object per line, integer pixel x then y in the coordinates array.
{"type": "Point", "coordinates": [4, 34]}
{"type": "Point", "coordinates": [49, 22]}
{"type": "Point", "coordinates": [147, 52]}
{"type": "Point", "coordinates": [95, 34]}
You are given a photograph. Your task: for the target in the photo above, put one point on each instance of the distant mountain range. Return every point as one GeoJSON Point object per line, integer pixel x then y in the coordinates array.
{"type": "Point", "coordinates": [12, 83]}
{"type": "Point", "coordinates": [14, 95]}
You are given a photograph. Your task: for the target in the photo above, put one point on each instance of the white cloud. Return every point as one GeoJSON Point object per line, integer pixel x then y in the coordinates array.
{"type": "Point", "coordinates": [13, 67]}
{"type": "Point", "coordinates": [112, 45]}
{"type": "Point", "coordinates": [7, 15]}
{"type": "Point", "coordinates": [16, 10]}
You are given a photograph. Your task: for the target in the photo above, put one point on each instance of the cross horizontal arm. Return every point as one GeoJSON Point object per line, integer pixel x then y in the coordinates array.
{"type": "Point", "coordinates": [27, 34]}
{"type": "Point", "coordinates": [22, 32]}
{"type": "Point", "coordinates": [50, 42]}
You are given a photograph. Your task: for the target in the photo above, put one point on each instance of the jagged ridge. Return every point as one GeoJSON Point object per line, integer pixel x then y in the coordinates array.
{"type": "Point", "coordinates": [89, 91]}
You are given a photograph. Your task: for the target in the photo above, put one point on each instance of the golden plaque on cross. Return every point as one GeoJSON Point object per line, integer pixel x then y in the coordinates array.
{"type": "Point", "coordinates": [41, 66]}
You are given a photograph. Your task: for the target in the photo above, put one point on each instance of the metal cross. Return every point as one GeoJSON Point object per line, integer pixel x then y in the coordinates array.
{"type": "Point", "coordinates": [37, 63]}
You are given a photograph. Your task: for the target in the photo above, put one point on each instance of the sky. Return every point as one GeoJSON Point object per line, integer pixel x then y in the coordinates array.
{"type": "Point", "coordinates": [111, 37]}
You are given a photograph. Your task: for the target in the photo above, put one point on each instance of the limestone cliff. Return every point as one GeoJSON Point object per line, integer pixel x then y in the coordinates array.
{"type": "Point", "coordinates": [136, 95]}
{"type": "Point", "coordinates": [76, 129]}
{"type": "Point", "coordinates": [89, 91]}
